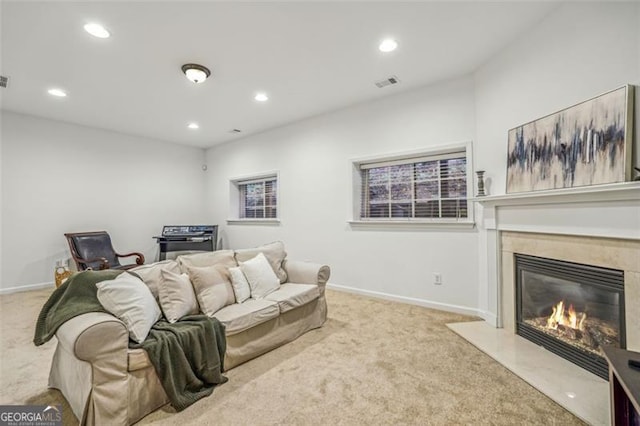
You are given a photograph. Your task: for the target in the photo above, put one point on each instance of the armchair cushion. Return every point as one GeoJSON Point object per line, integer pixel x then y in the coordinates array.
{"type": "Point", "coordinates": [129, 299]}
{"type": "Point", "coordinates": [98, 245]}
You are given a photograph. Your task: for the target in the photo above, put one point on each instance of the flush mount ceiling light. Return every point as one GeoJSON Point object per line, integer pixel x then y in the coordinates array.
{"type": "Point", "coordinates": [261, 97]}
{"type": "Point", "coordinates": [57, 92]}
{"type": "Point", "coordinates": [193, 126]}
{"type": "Point", "coordinates": [97, 30]}
{"type": "Point", "coordinates": [388, 45]}
{"type": "Point", "coordinates": [196, 73]}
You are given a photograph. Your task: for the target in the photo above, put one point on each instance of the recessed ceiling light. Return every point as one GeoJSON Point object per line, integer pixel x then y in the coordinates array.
{"type": "Point", "coordinates": [261, 97]}
{"type": "Point", "coordinates": [388, 45]}
{"type": "Point", "coordinates": [57, 92]}
{"type": "Point", "coordinates": [193, 126]}
{"type": "Point", "coordinates": [97, 30]}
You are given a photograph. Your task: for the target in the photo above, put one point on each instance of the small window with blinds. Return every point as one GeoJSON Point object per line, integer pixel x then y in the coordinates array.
{"type": "Point", "coordinates": [258, 198]}
{"type": "Point", "coordinates": [425, 187]}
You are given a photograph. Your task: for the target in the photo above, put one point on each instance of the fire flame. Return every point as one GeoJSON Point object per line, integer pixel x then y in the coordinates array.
{"type": "Point", "coordinates": [566, 318]}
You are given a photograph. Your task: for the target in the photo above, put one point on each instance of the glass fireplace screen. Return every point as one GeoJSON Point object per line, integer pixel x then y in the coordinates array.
{"type": "Point", "coordinates": [569, 308]}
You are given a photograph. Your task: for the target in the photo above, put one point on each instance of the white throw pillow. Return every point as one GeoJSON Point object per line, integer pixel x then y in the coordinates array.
{"type": "Point", "coordinates": [177, 298]}
{"type": "Point", "coordinates": [240, 284]}
{"type": "Point", "coordinates": [274, 252]}
{"type": "Point", "coordinates": [128, 298]}
{"type": "Point", "coordinates": [260, 275]}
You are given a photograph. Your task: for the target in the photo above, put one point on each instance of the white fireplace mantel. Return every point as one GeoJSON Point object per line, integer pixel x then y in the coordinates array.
{"type": "Point", "coordinates": [627, 191]}
{"type": "Point", "coordinates": [592, 225]}
{"type": "Point", "coordinates": [608, 211]}
{"type": "Point", "coordinates": [599, 211]}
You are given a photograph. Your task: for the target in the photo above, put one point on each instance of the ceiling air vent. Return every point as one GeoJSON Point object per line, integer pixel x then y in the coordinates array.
{"type": "Point", "coordinates": [387, 81]}
{"type": "Point", "coordinates": [4, 81]}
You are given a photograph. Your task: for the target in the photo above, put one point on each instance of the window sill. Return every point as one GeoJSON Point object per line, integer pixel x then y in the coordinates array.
{"type": "Point", "coordinates": [411, 224]}
{"type": "Point", "coordinates": [265, 222]}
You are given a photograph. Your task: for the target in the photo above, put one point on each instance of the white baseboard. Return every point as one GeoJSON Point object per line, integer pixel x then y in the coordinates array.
{"type": "Point", "coordinates": [28, 287]}
{"type": "Point", "coordinates": [489, 317]}
{"type": "Point", "coordinates": [410, 300]}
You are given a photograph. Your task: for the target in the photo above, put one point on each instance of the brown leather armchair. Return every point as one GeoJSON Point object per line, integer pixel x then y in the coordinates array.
{"type": "Point", "coordinates": [93, 250]}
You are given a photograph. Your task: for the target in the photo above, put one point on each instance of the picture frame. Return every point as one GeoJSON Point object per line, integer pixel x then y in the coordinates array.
{"type": "Point", "coordinates": [588, 143]}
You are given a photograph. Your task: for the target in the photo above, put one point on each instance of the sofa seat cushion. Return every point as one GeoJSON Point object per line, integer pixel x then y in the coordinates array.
{"type": "Point", "coordinates": [241, 316]}
{"type": "Point", "coordinates": [137, 359]}
{"type": "Point", "coordinates": [290, 296]}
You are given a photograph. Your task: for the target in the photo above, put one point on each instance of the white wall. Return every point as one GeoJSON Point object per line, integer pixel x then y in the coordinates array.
{"type": "Point", "coordinates": [59, 177]}
{"type": "Point", "coordinates": [579, 51]}
{"type": "Point", "coordinates": [312, 157]}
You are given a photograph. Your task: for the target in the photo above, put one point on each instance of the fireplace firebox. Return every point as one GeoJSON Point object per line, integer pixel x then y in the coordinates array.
{"type": "Point", "coordinates": [570, 309]}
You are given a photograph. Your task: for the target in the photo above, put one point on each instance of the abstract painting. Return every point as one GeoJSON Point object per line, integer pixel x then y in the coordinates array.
{"type": "Point", "coordinates": [586, 144]}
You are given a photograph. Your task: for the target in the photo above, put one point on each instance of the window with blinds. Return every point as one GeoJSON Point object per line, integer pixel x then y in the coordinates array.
{"type": "Point", "coordinates": [425, 187]}
{"type": "Point", "coordinates": [258, 198]}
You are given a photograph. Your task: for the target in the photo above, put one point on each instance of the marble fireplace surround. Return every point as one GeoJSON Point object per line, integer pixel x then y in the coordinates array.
{"type": "Point", "coordinates": [597, 225]}
{"type": "Point", "coordinates": [595, 251]}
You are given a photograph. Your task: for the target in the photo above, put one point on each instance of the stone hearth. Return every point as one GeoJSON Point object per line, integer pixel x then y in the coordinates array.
{"type": "Point", "coordinates": [598, 225]}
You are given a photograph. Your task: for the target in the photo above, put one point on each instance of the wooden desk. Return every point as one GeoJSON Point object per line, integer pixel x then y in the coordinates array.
{"type": "Point", "coordinates": [624, 383]}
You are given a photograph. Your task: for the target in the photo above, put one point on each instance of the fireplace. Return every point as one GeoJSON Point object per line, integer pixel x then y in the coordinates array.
{"type": "Point", "coordinates": [570, 309]}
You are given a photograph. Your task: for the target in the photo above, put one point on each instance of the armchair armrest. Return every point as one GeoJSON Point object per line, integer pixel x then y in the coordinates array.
{"type": "Point", "coordinates": [139, 259]}
{"type": "Point", "coordinates": [301, 272]}
{"type": "Point", "coordinates": [104, 263]}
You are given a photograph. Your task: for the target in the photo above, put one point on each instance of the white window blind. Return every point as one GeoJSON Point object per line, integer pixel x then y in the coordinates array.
{"type": "Point", "coordinates": [258, 198]}
{"type": "Point", "coordinates": [424, 187]}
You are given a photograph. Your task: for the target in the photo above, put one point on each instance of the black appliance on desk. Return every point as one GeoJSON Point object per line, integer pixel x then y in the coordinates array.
{"type": "Point", "coordinates": [187, 237]}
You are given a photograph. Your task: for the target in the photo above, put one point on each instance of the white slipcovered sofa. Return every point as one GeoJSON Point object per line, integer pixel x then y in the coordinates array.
{"type": "Point", "coordinates": [106, 382]}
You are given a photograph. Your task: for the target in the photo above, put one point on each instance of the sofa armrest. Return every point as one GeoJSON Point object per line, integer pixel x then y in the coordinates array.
{"type": "Point", "coordinates": [300, 272]}
{"type": "Point", "coordinates": [101, 340]}
{"type": "Point", "coordinates": [93, 336]}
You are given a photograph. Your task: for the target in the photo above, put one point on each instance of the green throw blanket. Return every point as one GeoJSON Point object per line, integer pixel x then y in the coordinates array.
{"type": "Point", "coordinates": [76, 296]}
{"type": "Point", "coordinates": [188, 355]}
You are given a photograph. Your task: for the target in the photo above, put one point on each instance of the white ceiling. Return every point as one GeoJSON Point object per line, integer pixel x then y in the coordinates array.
{"type": "Point", "coordinates": [310, 57]}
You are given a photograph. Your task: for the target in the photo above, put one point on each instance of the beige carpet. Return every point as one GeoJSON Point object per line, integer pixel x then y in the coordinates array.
{"type": "Point", "coordinates": [374, 362]}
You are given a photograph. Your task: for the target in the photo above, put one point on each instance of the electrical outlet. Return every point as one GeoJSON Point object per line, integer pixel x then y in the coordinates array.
{"type": "Point", "coordinates": [437, 278]}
